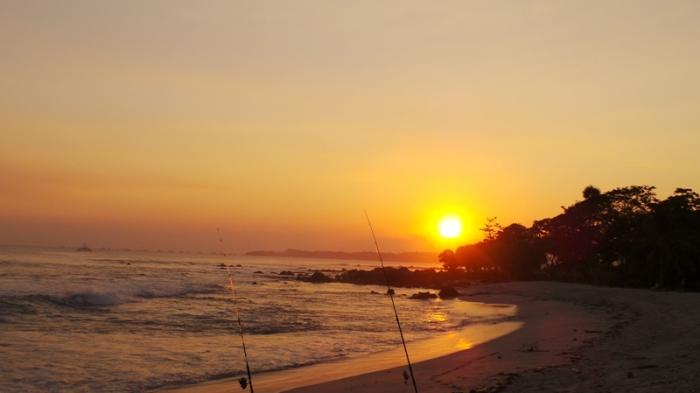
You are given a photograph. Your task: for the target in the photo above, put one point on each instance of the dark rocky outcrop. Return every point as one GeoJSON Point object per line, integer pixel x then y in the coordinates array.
{"type": "Point", "coordinates": [316, 277]}
{"type": "Point", "coordinates": [448, 293]}
{"type": "Point", "coordinates": [423, 296]}
{"type": "Point", "coordinates": [403, 277]}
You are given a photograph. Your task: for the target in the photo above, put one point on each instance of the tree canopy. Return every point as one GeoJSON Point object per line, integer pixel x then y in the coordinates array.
{"type": "Point", "coordinates": [623, 237]}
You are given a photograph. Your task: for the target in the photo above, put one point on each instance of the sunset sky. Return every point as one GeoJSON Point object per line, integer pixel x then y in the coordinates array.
{"type": "Point", "coordinates": [150, 124]}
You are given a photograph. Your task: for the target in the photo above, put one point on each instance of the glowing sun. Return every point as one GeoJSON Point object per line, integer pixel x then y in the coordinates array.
{"type": "Point", "coordinates": [450, 227]}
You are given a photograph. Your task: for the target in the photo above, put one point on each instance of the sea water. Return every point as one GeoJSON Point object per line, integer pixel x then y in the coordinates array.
{"type": "Point", "coordinates": [113, 321]}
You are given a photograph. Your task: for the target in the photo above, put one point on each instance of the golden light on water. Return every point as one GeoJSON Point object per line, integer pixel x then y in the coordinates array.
{"type": "Point", "coordinates": [437, 316]}
{"type": "Point", "coordinates": [463, 344]}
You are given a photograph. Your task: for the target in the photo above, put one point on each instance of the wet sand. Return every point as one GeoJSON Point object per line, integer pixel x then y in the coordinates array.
{"type": "Point", "coordinates": [421, 350]}
{"type": "Point", "coordinates": [573, 338]}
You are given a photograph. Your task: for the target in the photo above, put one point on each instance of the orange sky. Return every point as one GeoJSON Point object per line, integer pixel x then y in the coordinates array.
{"type": "Point", "coordinates": [148, 125]}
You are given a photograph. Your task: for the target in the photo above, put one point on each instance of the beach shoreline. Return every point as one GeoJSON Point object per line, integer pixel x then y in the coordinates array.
{"type": "Point", "coordinates": [492, 365]}
{"type": "Point", "coordinates": [574, 337]}
{"type": "Point", "coordinates": [376, 372]}
{"type": "Point", "coordinates": [329, 371]}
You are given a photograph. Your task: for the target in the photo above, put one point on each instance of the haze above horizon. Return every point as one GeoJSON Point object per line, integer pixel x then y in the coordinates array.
{"type": "Point", "coordinates": [149, 125]}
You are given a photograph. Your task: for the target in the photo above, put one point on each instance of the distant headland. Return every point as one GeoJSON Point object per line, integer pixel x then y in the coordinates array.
{"type": "Point", "coordinates": [357, 255]}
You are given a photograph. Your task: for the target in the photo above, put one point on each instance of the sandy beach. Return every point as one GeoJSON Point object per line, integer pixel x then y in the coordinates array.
{"type": "Point", "coordinates": [573, 338]}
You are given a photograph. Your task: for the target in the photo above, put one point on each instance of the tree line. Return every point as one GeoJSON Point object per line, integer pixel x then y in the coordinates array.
{"type": "Point", "coordinates": [623, 237]}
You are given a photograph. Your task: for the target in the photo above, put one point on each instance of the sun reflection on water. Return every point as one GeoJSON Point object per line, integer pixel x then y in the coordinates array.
{"type": "Point", "coordinates": [436, 316]}
{"type": "Point", "coordinates": [463, 344]}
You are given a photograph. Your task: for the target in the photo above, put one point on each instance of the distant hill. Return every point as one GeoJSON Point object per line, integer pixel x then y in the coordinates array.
{"type": "Point", "coordinates": [358, 255]}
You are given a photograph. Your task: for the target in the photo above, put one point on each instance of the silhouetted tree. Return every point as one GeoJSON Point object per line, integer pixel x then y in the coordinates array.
{"type": "Point", "coordinates": [625, 236]}
{"type": "Point", "coordinates": [590, 192]}
{"type": "Point", "coordinates": [515, 252]}
{"type": "Point", "coordinates": [447, 258]}
{"type": "Point", "coordinates": [492, 228]}
{"type": "Point", "coordinates": [666, 247]}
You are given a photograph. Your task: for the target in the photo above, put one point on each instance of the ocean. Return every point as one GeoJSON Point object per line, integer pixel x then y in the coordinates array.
{"type": "Point", "coordinates": [113, 321]}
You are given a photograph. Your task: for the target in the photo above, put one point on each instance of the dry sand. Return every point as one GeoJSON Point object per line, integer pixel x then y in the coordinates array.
{"type": "Point", "coordinates": [574, 338]}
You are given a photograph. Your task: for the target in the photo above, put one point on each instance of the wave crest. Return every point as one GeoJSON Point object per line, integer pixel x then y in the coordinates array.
{"type": "Point", "coordinates": [103, 297]}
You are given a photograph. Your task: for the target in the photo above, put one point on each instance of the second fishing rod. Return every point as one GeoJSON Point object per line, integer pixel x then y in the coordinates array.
{"type": "Point", "coordinates": [234, 297]}
{"type": "Point", "coordinates": [390, 292]}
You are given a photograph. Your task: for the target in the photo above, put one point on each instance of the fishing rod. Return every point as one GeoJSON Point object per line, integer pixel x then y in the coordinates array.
{"type": "Point", "coordinates": [390, 292]}
{"type": "Point", "coordinates": [234, 297]}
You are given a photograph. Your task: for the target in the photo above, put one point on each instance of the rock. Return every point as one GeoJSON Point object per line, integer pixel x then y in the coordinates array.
{"type": "Point", "coordinates": [286, 273]}
{"type": "Point", "coordinates": [423, 295]}
{"type": "Point", "coordinates": [448, 293]}
{"type": "Point", "coordinates": [316, 278]}
{"type": "Point", "coordinates": [259, 272]}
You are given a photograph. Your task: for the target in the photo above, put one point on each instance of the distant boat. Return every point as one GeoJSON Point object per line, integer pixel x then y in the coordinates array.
{"type": "Point", "coordinates": [84, 248]}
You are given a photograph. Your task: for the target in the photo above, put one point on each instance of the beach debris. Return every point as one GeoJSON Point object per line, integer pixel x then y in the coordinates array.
{"type": "Point", "coordinates": [448, 293]}
{"type": "Point", "coordinates": [286, 273]}
{"type": "Point", "coordinates": [243, 381]}
{"type": "Point", "coordinates": [532, 348]}
{"type": "Point", "coordinates": [423, 296]}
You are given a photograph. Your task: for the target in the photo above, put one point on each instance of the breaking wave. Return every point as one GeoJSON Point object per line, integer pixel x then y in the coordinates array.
{"type": "Point", "coordinates": [101, 297]}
